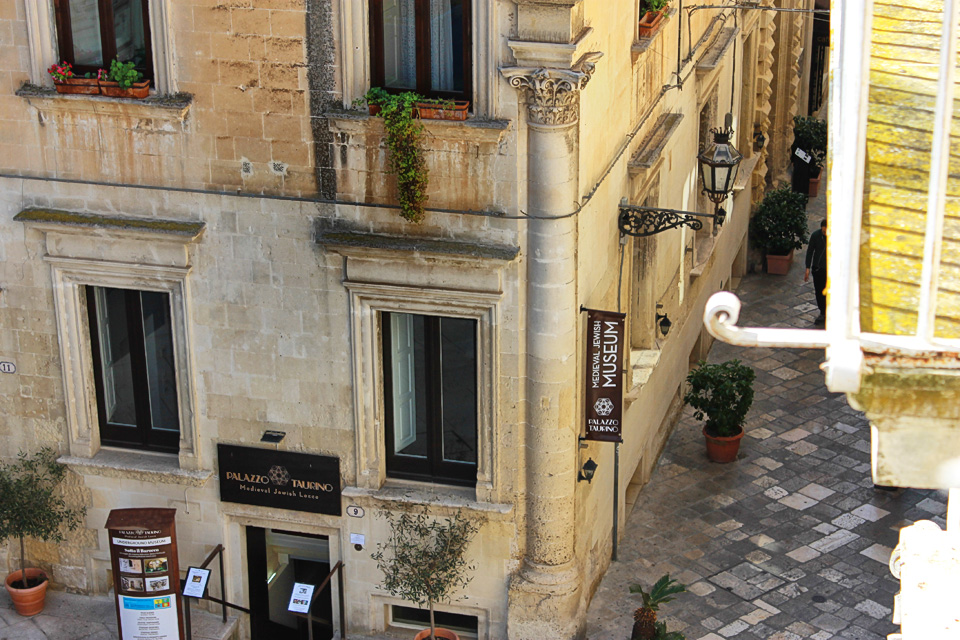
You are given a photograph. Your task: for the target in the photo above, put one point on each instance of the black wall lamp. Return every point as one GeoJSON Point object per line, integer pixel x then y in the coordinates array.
{"type": "Point", "coordinates": [663, 322]}
{"type": "Point", "coordinates": [718, 171]}
{"type": "Point", "coordinates": [758, 138]}
{"type": "Point", "coordinates": [587, 471]}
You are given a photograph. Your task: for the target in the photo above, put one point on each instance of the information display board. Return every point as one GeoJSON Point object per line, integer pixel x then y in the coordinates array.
{"type": "Point", "coordinates": [146, 574]}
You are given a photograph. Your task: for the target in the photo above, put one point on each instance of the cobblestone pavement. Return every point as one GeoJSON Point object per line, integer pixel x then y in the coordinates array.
{"type": "Point", "coordinates": [790, 541]}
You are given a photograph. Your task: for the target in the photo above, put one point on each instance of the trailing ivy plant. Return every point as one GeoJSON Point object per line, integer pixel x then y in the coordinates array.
{"type": "Point", "coordinates": [405, 143]}
{"type": "Point", "coordinates": [423, 560]}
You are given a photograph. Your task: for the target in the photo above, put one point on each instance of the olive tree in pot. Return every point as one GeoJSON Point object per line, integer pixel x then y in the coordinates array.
{"type": "Point", "coordinates": [423, 561]}
{"type": "Point", "coordinates": [32, 505]}
{"type": "Point", "coordinates": [779, 227]}
{"type": "Point", "coordinates": [721, 394]}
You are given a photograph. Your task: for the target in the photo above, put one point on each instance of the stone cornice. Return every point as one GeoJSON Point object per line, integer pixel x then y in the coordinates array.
{"type": "Point", "coordinates": [553, 95]}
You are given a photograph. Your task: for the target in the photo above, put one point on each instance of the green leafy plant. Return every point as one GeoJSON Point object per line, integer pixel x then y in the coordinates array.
{"type": "Point", "coordinates": [405, 142]}
{"type": "Point", "coordinates": [780, 223]}
{"type": "Point", "coordinates": [809, 134]}
{"type": "Point", "coordinates": [653, 5]}
{"type": "Point", "coordinates": [423, 561]}
{"type": "Point", "coordinates": [722, 394]}
{"type": "Point", "coordinates": [123, 73]}
{"type": "Point", "coordinates": [32, 504]}
{"type": "Point", "coordinates": [645, 624]}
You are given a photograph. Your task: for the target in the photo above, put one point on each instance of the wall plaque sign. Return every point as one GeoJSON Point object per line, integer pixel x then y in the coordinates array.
{"type": "Point", "coordinates": [280, 479]}
{"type": "Point", "coordinates": [146, 574]}
{"type": "Point", "coordinates": [604, 376]}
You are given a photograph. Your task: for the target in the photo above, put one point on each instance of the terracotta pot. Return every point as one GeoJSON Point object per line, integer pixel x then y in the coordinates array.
{"type": "Point", "coordinates": [649, 23]}
{"type": "Point", "coordinates": [431, 111]}
{"type": "Point", "coordinates": [814, 187]}
{"type": "Point", "coordinates": [373, 109]}
{"type": "Point", "coordinates": [722, 448]}
{"type": "Point", "coordinates": [779, 265]}
{"type": "Point", "coordinates": [28, 602]}
{"type": "Point", "coordinates": [84, 86]}
{"type": "Point", "coordinates": [446, 634]}
{"type": "Point", "coordinates": [137, 89]}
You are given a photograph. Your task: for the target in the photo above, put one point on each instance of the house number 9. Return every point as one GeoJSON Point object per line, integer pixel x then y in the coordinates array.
{"type": "Point", "coordinates": [355, 511]}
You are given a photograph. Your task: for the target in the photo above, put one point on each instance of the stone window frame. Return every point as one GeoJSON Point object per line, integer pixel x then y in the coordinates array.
{"type": "Point", "coordinates": [356, 53]}
{"type": "Point", "coordinates": [44, 49]}
{"type": "Point", "coordinates": [70, 277]}
{"type": "Point", "coordinates": [367, 301]}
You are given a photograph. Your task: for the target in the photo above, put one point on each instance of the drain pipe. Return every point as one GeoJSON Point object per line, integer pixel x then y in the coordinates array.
{"type": "Point", "coordinates": [616, 499]}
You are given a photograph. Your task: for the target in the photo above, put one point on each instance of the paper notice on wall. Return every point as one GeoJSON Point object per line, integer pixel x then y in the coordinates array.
{"type": "Point", "coordinates": [149, 618]}
{"type": "Point", "coordinates": [803, 155]}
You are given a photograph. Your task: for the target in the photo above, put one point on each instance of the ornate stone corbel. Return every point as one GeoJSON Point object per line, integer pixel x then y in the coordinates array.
{"type": "Point", "coordinates": [553, 95]}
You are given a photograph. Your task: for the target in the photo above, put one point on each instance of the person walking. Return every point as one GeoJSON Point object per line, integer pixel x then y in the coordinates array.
{"type": "Point", "coordinates": [817, 263]}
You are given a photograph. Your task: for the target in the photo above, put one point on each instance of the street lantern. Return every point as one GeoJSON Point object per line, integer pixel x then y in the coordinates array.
{"type": "Point", "coordinates": [718, 166]}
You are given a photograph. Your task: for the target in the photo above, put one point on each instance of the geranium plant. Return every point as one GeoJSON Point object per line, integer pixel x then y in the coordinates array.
{"type": "Point", "coordinates": [60, 72]}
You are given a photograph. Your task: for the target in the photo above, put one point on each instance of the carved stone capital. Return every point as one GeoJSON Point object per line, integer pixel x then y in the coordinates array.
{"type": "Point", "coordinates": [553, 95]}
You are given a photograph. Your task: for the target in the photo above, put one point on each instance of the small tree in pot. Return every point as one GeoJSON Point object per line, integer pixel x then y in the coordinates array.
{"type": "Point", "coordinates": [721, 394]}
{"type": "Point", "coordinates": [423, 561]}
{"type": "Point", "coordinates": [780, 226]}
{"type": "Point", "coordinates": [32, 505]}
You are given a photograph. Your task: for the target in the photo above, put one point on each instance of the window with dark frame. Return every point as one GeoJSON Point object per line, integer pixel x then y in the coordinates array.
{"type": "Point", "coordinates": [91, 33]}
{"type": "Point", "coordinates": [131, 337]}
{"type": "Point", "coordinates": [423, 46]}
{"type": "Point", "coordinates": [430, 389]}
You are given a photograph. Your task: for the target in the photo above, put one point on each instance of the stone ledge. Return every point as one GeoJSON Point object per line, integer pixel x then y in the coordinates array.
{"type": "Point", "coordinates": [163, 107]}
{"type": "Point", "coordinates": [337, 236]}
{"type": "Point", "coordinates": [56, 220]}
{"type": "Point", "coordinates": [415, 493]}
{"type": "Point", "coordinates": [137, 465]}
{"type": "Point", "coordinates": [470, 130]}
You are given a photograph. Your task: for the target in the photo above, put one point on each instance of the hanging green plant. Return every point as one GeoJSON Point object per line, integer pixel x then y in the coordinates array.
{"type": "Point", "coordinates": [405, 142]}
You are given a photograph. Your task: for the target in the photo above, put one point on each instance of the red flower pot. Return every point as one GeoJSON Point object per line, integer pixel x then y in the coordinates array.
{"type": "Point", "coordinates": [441, 634]}
{"type": "Point", "coordinates": [650, 22]}
{"type": "Point", "coordinates": [779, 265]}
{"type": "Point", "coordinates": [433, 111]}
{"type": "Point", "coordinates": [137, 89]}
{"type": "Point", "coordinates": [84, 86]}
{"type": "Point", "coordinates": [28, 602]}
{"type": "Point", "coordinates": [722, 448]}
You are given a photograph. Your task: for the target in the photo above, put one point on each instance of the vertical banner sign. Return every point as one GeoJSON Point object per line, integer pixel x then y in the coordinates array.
{"type": "Point", "coordinates": [146, 574]}
{"type": "Point", "coordinates": [604, 375]}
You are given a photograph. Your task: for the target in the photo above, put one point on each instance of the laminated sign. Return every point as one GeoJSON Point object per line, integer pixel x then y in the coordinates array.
{"type": "Point", "coordinates": [604, 375]}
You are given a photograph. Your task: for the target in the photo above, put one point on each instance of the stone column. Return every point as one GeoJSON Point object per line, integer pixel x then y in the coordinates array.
{"type": "Point", "coordinates": [545, 594]}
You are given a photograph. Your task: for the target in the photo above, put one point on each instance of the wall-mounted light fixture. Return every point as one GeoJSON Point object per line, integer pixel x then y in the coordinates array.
{"type": "Point", "coordinates": [663, 322]}
{"type": "Point", "coordinates": [273, 437]}
{"type": "Point", "coordinates": [758, 138]}
{"type": "Point", "coordinates": [587, 471]}
{"type": "Point", "coordinates": [719, 163]}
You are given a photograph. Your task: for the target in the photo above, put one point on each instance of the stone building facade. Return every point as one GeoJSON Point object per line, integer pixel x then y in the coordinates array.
{"type": "Point", "coordinates": [238, 230]}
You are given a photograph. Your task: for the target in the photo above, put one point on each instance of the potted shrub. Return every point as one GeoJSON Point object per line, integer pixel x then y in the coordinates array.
{"type": "Point", "coordinates": [423, 561]}
{"type": "Point", "coordinates": [809, 137]}
{"type": "Point", "coordinates": [31, 504]}
{"type": "Point", "coordinates": [651, 14]}
{"type": "Point", "coordinates": [721, 394]}
{"type": "Point", "coordinates": [405, 142]}
{"type": "Point", "coordinates": [123, 81]}
{"type": "Point", "coordinates": [779, 227]}
{"type": "Point", "coordinates": [66, 81]}
{"type": "Point", "coordinates": [645, 623]}
{"type": "Point", "coordinates": [819, 157]}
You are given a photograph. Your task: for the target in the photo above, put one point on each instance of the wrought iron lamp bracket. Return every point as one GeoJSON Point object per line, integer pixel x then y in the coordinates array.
{"type": "Point", "coordinates": [642, 222]}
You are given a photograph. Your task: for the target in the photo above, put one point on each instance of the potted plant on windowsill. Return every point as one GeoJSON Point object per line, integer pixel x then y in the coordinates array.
{"type": "Point", "coordinates": [651, 14]}
{"type": "Point", "coordinates": [443, 109]}
{"type": "Point", "coordinates": [722, 394]}
{"type": "Point", "coordinates": [405, 143]}
{"type": "Point", "coordinates": [66, 82]}
{"type": "Point", "coordinates": [423, 561]}
{"type": "Point", "coordinates": [123, 81]}
{"type": "Point", "coordinates": [32, 505]}
{"type": "Point", "coordinates": [779, 227]}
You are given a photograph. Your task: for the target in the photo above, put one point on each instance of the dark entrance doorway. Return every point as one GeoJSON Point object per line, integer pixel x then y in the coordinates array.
{"type": "Point", "coordinates": [275, 561]}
